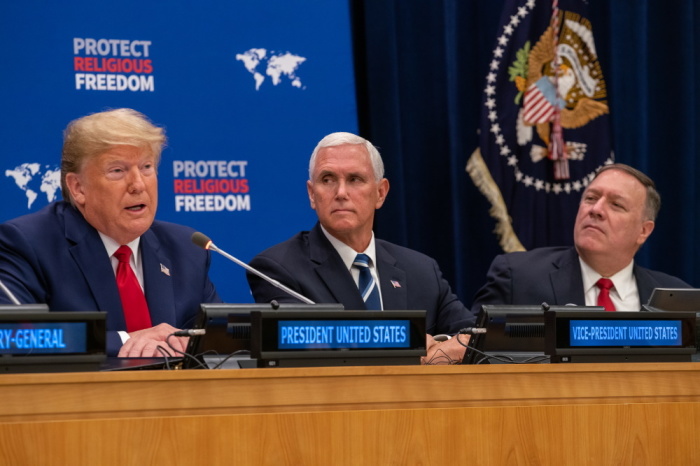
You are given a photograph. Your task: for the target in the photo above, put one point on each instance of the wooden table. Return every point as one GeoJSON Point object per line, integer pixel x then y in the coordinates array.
{"type": "Point", "coordinates": [602, 414]}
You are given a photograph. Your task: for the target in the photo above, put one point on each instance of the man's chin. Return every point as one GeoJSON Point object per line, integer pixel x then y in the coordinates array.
{"type": "Point", "coordinates": [340, 227]}
{"type": "Point", "coordinates": [344, 221]}
{"type": "Point", "coordinates": [589, 236]}
{"type": "Point", "coordinates": [137, 228]}
{"type": "Point", "coordinates": [588, 247]}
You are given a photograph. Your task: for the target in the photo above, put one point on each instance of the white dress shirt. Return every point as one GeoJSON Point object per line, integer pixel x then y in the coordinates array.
{"type": "Point", "coordinates": [348, 254]}
{"type": "Point", "coordinates": [624, 295]}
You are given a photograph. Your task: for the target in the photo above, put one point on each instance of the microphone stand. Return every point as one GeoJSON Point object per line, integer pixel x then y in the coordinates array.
{"type": "Point", "coordinates": [272, 281]}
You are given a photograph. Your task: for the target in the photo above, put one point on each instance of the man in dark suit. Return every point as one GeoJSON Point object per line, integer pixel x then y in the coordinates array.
{"type": "Point", "coordinates": [66, 255]}
{"type": "Point", "coordinates": [346, 185]}
{"type": "Point", "coordinates": [616, 216]}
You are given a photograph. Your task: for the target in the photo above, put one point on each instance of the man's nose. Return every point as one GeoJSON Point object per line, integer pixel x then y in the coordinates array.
{"type": "Point", "coordinates": [342, 191]}
{"type": "Point", "coordinates": [136, 182]}
{"type": "Point", "coordinates": [598, 209]}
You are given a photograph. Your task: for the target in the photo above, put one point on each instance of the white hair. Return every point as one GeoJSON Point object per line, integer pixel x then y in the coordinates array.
{"type": "Point", "coordinates": [339, 139]}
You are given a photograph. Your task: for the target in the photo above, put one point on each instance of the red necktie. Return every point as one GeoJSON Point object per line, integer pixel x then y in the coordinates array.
{"type": "Point", "coordinates": [133, 301]}
{"type": "Point", "coordinates": [604, 296]}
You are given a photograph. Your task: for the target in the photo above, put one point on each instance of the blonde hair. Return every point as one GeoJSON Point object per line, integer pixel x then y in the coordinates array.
{"type": "Point", "coordinates": [95, 134]}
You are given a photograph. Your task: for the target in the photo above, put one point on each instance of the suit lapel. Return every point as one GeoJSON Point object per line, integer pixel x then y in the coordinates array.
{"type": "Point", "coordinates": [566, 279]}
{"type": "Point", "coordinates": [645, 284]}
{"type": "Point", "coordinates": [332, 271]}
{"type": "Point", "coordinates": [157, 271]}
{"type": "Point", "coordinates": [392, 280]}
{"type": "Point", "coordinates": [90, 255]}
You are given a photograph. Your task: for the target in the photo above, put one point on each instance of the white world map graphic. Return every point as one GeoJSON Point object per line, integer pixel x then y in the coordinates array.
{"type": "Point", "coordinates": [276, 66]}
{"type": "Point", "coordinates": [32, 178]}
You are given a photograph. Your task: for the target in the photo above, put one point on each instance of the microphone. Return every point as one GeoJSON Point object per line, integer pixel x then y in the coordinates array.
{"type": "Point", "coordinates": [9, 294]}
{"type": "Point", "coordinates": [203, 241]}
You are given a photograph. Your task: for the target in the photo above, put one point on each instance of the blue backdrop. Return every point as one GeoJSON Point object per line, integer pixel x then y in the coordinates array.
{"type": "Point", "coordinates": [244, 89]}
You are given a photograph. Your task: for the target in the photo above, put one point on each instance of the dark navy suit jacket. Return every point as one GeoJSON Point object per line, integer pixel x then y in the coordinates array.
{"type": "Point", "coordinates": [309, 264]}
{"type": "Point", "coordinates": [55, 257]}
{"type": "Point", "coordinates": [552, 275]}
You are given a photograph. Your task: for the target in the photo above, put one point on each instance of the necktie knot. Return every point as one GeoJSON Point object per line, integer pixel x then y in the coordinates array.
{"type": "Point", "coordinates": [361, 260]}
{"type": "Point", "coordinates": [604, 284]}
{"type": "Point", "coordinates": [604, 300]}
{"type": "Point", "coordinates": [123, 254]}
{"type": "Point", "coordinates": [367, 285]}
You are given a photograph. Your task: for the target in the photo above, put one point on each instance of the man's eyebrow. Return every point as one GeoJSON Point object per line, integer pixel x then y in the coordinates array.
{"type": "Point", "coordinates": [612, 195]}
{"type": "Point", "coordinates": [323, 173]}
{"type": "Point", "coordinates": [619, 197]}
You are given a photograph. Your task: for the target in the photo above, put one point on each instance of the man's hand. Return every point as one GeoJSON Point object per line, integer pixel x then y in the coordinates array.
{"type": "Point", "coordinates": [144, 343]}
{"type": "Point", "coordinates": [444, 352]}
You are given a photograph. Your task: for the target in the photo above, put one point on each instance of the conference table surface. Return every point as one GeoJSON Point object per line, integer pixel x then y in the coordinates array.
{"type": "Point", "coordinates": [615, 413]}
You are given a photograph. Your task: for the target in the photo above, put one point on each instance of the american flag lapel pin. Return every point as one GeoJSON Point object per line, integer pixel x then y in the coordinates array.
{"type": "Point", "coordinates": [165, 270]}
{"type": "Point", "coordinates": [395, 284]}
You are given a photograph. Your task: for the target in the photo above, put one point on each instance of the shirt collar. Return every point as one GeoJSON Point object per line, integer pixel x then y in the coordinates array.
{"type": "Point", "coordinates": [348, 254]}
{"type": "Point", "coordinates": [111, 246]}
{"type": "Point", "coordinates": [623, 280]}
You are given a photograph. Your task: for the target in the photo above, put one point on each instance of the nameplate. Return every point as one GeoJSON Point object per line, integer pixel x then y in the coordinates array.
{"type": "Point", "coordinates": [300, 338]}
{"type": "Point", "coordinates": [36, 340]}
{"type": "Point", "coordinates": [43, 338]}
{"type": "Point", "coordinates": [626, 333]}
{"type": "Point", "coordinates": [343, 334]}
{"type": "Point", "coordinates": [580, 336]}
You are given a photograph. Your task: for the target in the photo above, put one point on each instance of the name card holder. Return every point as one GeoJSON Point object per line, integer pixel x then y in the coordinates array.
{"type": "Point", "coordinates": [585, 336]}
{"type": "Point", "coordinates": [336, 338]}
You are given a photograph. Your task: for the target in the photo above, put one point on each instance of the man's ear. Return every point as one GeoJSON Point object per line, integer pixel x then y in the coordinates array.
{"type": "Point", "coordinates": [76, 188]}
{"type": "Point", "coordinates": [647, 228]}
{"type": "Point", "coordinates": [310, 190]}
{"type": "Point", "coordinates": [382, 190]}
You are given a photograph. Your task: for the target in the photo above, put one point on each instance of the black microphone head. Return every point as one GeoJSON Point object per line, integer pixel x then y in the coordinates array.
{"type": "Point", "coordinates": [201, 240]}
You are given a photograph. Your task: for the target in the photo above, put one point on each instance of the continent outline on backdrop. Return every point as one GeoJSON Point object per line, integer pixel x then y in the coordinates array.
{"type": "Point", "coordinates": [277, 66]}
{"type": "Point", "coordinates": [25, 177]}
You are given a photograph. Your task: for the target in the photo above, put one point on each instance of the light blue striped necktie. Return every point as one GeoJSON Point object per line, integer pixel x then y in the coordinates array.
{"type": "Point", "coordinates": [367, 285]}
